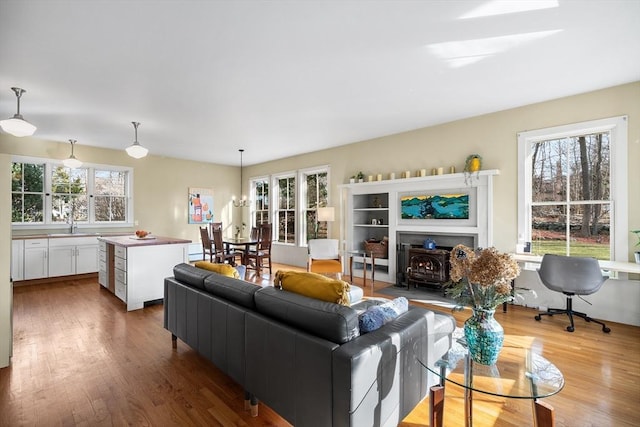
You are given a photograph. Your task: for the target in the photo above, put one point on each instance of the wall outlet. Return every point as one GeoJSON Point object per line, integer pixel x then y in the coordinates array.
{"type": "Point", "coordinates": [135, 222]}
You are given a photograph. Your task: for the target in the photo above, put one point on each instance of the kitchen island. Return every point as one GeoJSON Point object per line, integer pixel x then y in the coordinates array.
{"type": "Point", "coordinates": [134, 268]}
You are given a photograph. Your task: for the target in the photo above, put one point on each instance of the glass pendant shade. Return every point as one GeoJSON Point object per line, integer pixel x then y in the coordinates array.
{"type": "Point", "coordinates": [136, 150]}
{"type": "Point", "coordinates": [72, 162]}
{"type": "Point", "coordinates": [17, 125]}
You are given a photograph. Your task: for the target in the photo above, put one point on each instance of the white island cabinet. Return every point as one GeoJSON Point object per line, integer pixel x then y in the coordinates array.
{"type": "Point", "coordinates": [134, 269]}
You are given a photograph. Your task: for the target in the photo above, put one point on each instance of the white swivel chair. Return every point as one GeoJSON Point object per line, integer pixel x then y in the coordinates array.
{"type": "Point", "coordinates": [325, 257]}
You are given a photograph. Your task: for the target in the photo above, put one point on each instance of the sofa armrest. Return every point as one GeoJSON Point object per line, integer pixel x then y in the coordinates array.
{"type": "Point", "coordinates": [377, 377]}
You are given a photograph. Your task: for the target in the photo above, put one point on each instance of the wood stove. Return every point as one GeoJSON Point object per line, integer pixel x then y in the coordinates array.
{"type": "Point", "coordinates": [428, 267]}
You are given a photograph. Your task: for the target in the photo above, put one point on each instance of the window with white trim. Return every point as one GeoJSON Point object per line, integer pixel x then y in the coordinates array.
{"type": "Point", "coordinates": [47, 193]}
{"type": "Point", "coordinates": [573, 188]}
{"type": "Point", "coordinates": [285, 211]}
{"type": "Point", "coordinates": [260, 196]}
{"type": "Point", "coordinates": [315, 194]}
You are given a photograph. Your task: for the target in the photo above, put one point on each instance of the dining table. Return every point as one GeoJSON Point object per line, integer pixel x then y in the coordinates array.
{"type": "Point", "coordinates": [244, 243]}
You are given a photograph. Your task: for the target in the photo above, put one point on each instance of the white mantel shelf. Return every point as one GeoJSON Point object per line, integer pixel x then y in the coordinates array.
{"type": "Point", "coordinates": [433, 179]}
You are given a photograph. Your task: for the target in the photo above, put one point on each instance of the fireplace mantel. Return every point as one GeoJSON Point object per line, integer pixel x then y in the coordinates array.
{"type": "Point", "coordinates": [357, 207]}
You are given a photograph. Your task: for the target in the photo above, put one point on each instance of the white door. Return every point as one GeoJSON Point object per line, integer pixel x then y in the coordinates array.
{"type": "Point", "coordinates": [86, 259]}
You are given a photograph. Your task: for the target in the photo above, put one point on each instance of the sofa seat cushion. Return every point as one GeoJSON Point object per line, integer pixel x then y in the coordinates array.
{"type": "Point", "coordinates": [313, 285]}
{"type": "Point", "coordinates": [223, 269]}
{"type": "Point", "coordinates": [333, 322]}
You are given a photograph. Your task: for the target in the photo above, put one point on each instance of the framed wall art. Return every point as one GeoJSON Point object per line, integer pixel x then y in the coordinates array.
{"type": "Point", "coordinates": [435, 206]}
{"type": "Point", "coordinates": [200, 205]}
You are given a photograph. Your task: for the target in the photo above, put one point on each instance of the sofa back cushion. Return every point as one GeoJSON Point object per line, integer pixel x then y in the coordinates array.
{"type": "Point", "coordinates": [234, 290]}
{"type": "Point", "coordinates": [189, 275]}
{"type": "Point", "coordinates": [334, 322]}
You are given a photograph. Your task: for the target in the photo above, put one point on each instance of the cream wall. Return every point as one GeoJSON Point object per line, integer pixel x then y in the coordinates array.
{"type": "Point", "coordinates": [494, 136]}
{"type": "Point", "coordinates": [6, 292]}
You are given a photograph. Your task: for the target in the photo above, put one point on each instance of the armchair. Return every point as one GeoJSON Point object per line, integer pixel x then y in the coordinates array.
{"type": "Point", "coordinates": [325, 257]}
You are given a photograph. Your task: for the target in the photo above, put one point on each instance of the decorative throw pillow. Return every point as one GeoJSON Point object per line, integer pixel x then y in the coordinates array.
{"type": "Point", "coordinates": [222, 269]}
{"type": "Point", "coordinates": [378, 315]}
{"type": "Point", "coordinates": [313, 285]}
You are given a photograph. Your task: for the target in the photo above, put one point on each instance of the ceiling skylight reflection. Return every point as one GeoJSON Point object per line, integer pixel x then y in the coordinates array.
{"type": "Point", "coordinates": [465, 52]}
{"type": "Point", "coordinates": [504, 7]}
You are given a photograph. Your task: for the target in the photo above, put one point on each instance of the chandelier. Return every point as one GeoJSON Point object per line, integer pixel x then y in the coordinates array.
{"type": "Point", "coordinates": [243, 202]}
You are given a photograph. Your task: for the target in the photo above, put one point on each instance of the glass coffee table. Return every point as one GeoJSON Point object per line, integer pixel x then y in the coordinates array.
{"type": "Point", "coordinates": [520, 373]}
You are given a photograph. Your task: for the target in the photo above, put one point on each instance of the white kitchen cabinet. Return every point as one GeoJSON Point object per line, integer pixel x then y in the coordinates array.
{"type": "Point", "coordinates": [17, 260]}
{"type": "Point", "coordinates": [36, 265]}
{"type": "Point", "coordinates": [73, 255]}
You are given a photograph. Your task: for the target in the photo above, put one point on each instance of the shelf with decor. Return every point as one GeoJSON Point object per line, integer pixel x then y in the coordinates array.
{"type": "Point", "coordinates": [369, 221]}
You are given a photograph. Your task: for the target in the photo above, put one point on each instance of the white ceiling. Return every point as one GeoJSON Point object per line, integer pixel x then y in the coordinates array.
{"type": "Point", "coordinates": [281, 78]}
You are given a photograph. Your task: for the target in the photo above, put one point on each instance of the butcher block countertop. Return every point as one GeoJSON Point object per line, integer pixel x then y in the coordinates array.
{"type": "Point", "coordinates": [131, 240]}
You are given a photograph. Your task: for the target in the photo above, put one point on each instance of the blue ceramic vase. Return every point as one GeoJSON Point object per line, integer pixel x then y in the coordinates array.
{"type": "Point", "coordinates": [484, 336]}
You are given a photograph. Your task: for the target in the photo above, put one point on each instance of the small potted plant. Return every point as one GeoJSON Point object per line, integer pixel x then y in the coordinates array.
{"type": "Point", "coordinates": [360, 176]}
{"type": "Point", "coordinates": [637, 252]}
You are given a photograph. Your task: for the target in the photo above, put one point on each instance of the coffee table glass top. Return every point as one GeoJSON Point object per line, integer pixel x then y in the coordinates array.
{"type": "Point", "coordinates": [520, 372]}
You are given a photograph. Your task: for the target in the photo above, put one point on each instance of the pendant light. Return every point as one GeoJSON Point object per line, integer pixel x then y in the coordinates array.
{"type": "Point", "coordinates": [243, 202]}
{"type": "Point", "coordinates": [136, 150]}
{"type": "Point", "coordinates": [17, 125]}
{"type": "Point", "coordinates": [72, 162]}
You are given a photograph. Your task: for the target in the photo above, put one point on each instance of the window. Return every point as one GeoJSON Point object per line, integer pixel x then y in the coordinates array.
{"type": "Point", "coordinates": [571, 179]}
{"type": "Point", "coordinates": [27, 192]}
{"type": "Point", "coordinates": [315, 195]}
{"type": "Point", "coordinates": [261, 205]}
{"type": "Point", "coordinates": [48, 193]}
{"type": "Point", "coordinates": [69, 195]}
{"type": "Point", "coordinates": [286, 210]}
{"type": "Point", "coordinates": [110, 197]}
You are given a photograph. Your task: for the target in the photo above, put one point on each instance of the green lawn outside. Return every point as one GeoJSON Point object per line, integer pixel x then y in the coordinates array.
{"type": "Point", "coordinates": [558, 247]}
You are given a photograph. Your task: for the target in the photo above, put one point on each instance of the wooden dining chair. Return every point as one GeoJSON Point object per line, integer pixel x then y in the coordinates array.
{"type": "Point", "coordinates": [207, 244]}
{"type": "Point", "coordinates": [221, 254]}
{"type": "Point", "coordinates": [255, 258]}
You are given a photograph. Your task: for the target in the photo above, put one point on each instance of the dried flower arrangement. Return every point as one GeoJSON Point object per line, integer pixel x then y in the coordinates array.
{"type": "Point", "coordinates": [482, 278]}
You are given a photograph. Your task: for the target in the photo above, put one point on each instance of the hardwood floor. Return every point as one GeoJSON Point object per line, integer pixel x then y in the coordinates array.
{"type": "Point", "coordinates": [79, 359]}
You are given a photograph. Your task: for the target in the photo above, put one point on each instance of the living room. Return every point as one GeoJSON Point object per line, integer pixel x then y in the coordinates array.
{"type": "Point", "coordinates": [161, 183]}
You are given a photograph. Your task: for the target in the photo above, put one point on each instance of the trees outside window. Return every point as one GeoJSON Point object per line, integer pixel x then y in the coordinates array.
{"type": "Point", "coordinates": [316, 196]}
{"type": "Point", "coordinates": [110, 195]}
{"type": "Point", "coordinates": [571, 205]}
{"type": "Point", "coordinates": [69, 195]}
{"type": "Point", "coordinates": [261, 203]}
{"type": "Point", "coordinates": [568, 188]}
{"type": "Point", "coordinates": [49, 193]}
{"type": "Point", "coordinates": [27, 192]}
{"type": "Point", "coordinates": [286, 211]}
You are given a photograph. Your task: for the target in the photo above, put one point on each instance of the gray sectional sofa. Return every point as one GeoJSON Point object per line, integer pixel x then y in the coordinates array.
{"type": "Point", "coordinates": [306, 358]}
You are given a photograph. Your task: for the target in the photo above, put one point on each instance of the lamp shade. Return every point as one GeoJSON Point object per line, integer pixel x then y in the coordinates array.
{"type": "Point", "coordinates": [17, 126]}
{"type": "Point", "coordinates": [72, 162]}
{"type": "Point", "coordinates": [326, 214]}
{"type": "Point", "coordinates": [136, 150]}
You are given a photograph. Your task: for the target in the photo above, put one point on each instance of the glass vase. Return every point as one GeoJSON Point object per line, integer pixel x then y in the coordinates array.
{"type": "Point", "coordinates": [484, 336]}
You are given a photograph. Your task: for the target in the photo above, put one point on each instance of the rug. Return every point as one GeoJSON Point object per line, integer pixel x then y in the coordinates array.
{"type": "Point", "coordinates": [422, 295]}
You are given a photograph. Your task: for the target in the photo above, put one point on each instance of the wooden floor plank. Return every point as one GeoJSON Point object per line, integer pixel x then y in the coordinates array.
{"type": "Point", "coordinates": [80, 359]}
